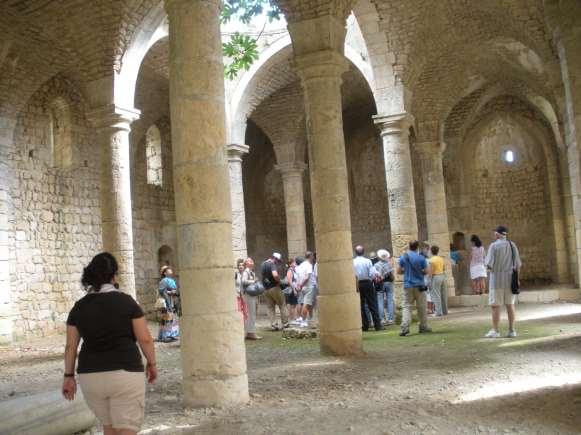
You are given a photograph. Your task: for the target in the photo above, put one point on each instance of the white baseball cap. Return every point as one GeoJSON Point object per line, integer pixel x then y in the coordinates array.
{"type": "Point", "coordinates": [277, 256]}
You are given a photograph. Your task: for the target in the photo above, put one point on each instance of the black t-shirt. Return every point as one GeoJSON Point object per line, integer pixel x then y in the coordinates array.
{"type": "Point", "coordinates": [104, 321]}
{"type": "Point", "coordinates": [266, 270]}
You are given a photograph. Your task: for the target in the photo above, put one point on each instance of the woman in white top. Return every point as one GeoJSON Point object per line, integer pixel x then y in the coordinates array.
{"type": "Point", "coordinates": [477, 266]}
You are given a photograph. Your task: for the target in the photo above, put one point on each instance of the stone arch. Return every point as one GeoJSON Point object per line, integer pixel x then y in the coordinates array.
{"type": "Point", "coordinates": [270, 73]}
{"type": "Point", "coordinates": [380, 59]}
{"type": "Point", "coordinates": [536, 170]}
{"type": "Point", "coordinates": [151, 29]}
{"type": "Point", "coordinates": [153, 155]}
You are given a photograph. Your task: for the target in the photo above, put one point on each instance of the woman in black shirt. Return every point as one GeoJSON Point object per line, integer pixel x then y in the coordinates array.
{"type": "Point", "coordinates": [110, 366]}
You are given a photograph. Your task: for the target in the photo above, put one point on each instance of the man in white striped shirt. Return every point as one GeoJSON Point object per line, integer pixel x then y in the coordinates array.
{"type": "Point", "coordinates": [502, 258]}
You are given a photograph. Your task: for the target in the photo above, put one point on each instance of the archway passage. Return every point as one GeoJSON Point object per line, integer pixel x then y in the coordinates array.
{"type": "Point", "coordinates": [505, 170]}
{"type": "Point", "coordinates": [263, 197]}
{"type": "Point", "coordinates": [277, 138]}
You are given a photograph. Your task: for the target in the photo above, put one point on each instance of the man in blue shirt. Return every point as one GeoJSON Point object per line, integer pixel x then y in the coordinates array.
{"type": "Point", "coordinates": [413, 266]}
{"type": "Point", "coordinates": [366, 273]}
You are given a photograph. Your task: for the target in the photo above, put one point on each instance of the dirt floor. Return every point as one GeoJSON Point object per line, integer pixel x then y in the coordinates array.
{"type": "Point", "coordinates": [449, 382]}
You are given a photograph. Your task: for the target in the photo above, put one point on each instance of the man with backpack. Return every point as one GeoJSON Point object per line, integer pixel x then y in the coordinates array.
{"type": "Point", "coordinates": [273, 295]}
{"type": "Point", "coordinates": [413, 267]}
{"type": "Point", "coordinates": [503, 263]}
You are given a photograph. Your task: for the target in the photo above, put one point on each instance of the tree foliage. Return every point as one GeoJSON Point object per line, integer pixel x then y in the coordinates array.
{"type": "Point", "coordinates": [242, 50]}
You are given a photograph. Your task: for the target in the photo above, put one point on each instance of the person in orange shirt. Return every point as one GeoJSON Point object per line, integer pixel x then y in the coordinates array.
{"type": "Point", "coordinates": [438, 284]}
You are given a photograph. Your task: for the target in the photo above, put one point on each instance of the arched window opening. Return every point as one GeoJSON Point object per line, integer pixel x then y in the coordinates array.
{"type": "Point", "coordinates": [165, 257]}
{"type": "Point", "coordinates": [508, 156]}
{"type": "Point", "coordinates": [153, 156]}
{"type": "Point", "coordinates": [60, 133]}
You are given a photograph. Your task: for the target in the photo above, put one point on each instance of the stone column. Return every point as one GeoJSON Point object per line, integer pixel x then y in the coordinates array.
{"type": "Point", "coordinates": [320, 71]}
{"type": "Point", "coordinates": [113, 126]}
{"type": "Point", "coordinates": [294, 203]}
{"type": "Point", "coordinates": [6, 227]}
{"type": "Point", "coordinates": [235, 154]}
{"type": "Point", "coordinates": [212, 339]}
{"type": "Point", "coordinates": [567, 40]}
{"type": "Point", "coordinates": [432, 173]}
{"type": "Point", "coordinates": [403, 220]}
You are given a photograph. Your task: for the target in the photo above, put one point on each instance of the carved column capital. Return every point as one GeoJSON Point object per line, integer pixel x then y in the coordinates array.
{"type": "Point", "coordinates": [325, 64]}
{"type": "Point", "coordinates": [236, 151]}
{"type": "Point", "coordinates": [112, 116]}
{"type": "Point", "coordinates": [291, 169]}
{"type": "Point", "coordinates": [393, 124]}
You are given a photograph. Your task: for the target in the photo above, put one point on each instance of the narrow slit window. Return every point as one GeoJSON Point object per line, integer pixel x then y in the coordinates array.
{"type": "Point", "coordinates": [509, 156]}
{"type": "Point", "coordinates": [153, 156]}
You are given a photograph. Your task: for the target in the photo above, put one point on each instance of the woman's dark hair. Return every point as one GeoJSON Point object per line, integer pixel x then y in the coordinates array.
{"type": "Point", "coordinates": [101, 270]}
{"type": "Point", "coordinates": [476, 240]}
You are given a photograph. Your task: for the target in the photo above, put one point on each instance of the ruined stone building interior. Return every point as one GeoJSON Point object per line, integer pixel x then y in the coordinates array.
{"type": "Point", "coordinates": [369, 122]}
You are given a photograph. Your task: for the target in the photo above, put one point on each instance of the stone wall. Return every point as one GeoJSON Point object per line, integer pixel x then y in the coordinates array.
{"type": "Point", "coordinates": [367, 188]}
{"type": "Point", "coordinates": [57, 213]}
{"type": "Point", "coordinates": [263, 198]}
{"type": "Point", "coordinates": [484, 190]}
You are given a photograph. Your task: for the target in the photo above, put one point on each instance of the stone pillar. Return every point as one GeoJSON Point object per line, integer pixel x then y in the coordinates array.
{"type": "Point", "coordinates": [212, 339]}
{"type": "Point", "coordinates": [432, 174]}
{"type": "Point", "coordinates": [567, 40]}
{"type": "Point", "coordinates": [113, 126]}
{"type": "Point", "coordinates": [320, 70]}
{"type": "Point", "coordinates": [235, 154]}
{"type": "Point", "coordinates": [399, 179]}
{"type": "Point", "coordinates": [294, 203]}
{"type": "Point", "coordinates": [6, 228]}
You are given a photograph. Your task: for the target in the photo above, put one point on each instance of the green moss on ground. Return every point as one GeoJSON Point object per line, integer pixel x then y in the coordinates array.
{"type": "Point", "coordinates": [450, 335]}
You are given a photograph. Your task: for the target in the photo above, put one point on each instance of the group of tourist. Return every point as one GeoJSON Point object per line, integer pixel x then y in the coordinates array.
{"type": "Point", "coordinates": [424, 277]}
{"type": "Point", "coordinates": [113, 327]}
{"type": "Point", "coordinates": [292, 289]}
{"type": "Point", "coordinates": [425, 282]}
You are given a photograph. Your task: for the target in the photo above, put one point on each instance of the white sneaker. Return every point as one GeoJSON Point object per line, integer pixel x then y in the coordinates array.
{"type": "Point", "coordinates": [511, 334]}
{"type": "Point", "coordinates": [492, 334]}
{"type": "Point", "coordinates": [304, 324]}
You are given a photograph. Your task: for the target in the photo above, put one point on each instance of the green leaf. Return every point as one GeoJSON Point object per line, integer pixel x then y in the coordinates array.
{"type": "Point", "coordinates": [242, 50]}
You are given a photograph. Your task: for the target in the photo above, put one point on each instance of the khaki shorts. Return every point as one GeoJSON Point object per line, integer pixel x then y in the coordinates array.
{"type": "Point", "coordinates": [116, 398]}
{"type": "Point", "coordinates": [498, 297]}
{"type": "Point", "coordinates": [309, 295]}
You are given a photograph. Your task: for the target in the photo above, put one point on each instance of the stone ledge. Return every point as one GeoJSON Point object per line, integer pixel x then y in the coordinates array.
{"type": "Point", "coordinates": [527, 296]}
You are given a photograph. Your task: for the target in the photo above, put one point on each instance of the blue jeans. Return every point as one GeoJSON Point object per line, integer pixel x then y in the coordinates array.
{"type": "Point", "coordinates": [386, 296]}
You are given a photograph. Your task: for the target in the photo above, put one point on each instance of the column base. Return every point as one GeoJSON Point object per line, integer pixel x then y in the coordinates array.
{"type": "Point", "coordinates": [343, 343]}
{"type": "Point", "coordinates": [201, 393]}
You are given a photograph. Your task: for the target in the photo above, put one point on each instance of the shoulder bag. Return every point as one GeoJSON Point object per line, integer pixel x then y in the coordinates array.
{"type": "Point", "coordinates": [514, 286]}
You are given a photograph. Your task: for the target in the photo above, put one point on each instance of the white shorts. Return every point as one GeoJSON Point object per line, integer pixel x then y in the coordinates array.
{"type": "Point", "coordinates": [498, 297]}
{"type": "Point", "coordinates": [478, 271]}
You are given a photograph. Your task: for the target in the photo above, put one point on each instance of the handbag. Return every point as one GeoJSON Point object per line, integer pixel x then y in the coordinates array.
{"type": "Point", "coordinates": [160, 303]}
{"type": "Point", "coordinates": [254, 289]}
{"type": "Point", "coordinates": [514, 286]}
